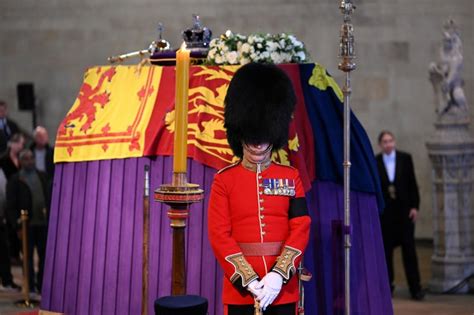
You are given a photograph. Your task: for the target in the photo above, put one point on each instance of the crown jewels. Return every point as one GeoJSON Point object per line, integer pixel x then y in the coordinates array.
{"type": "Point", "coordinates": [198, 37]}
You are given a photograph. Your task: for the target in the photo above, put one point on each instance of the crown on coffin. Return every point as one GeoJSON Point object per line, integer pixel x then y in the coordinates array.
{"type": "Point", "coordinates": [197, 37]}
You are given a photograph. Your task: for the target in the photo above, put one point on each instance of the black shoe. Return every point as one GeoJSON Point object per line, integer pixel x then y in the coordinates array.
{"type": "Point", "coordinates": [12, 286]}
{"type": "Point", "coordinates": [419, 295]}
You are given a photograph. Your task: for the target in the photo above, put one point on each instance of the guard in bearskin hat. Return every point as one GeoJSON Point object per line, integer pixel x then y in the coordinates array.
{"type": "Point", "coordinates": [258, 219]}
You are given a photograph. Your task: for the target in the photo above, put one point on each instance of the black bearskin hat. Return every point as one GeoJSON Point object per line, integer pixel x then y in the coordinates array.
{"type": "Point", "coordinates": [258, 107]}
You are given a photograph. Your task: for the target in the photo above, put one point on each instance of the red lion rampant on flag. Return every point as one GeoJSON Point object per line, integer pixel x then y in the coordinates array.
{"type": "Point", "coordinates": [88, 98]}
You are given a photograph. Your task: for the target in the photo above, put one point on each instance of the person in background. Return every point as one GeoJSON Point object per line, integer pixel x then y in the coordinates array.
{"type": "Point", "coordinates": [6, 276]}
{"type": "Point", "coordinates": [402, 201]}
{"type": "Point", "coordinates": [7, 127]}
{"type": "Point", "coordinates": [9, 161]}
{"type": "Point", "coordinates": [29, 190]}
{"type": "Point", "coordinates": [10, 165]}
{"type": "Point", "coordinates": [43, 152]}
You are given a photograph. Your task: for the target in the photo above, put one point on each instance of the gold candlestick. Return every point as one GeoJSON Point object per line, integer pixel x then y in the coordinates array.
{"type": "Point", "coordinates": [179, 195]}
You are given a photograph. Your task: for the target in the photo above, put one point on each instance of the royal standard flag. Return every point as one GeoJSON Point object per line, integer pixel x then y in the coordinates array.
{"type": "Point", "coordinates": [110, 114]}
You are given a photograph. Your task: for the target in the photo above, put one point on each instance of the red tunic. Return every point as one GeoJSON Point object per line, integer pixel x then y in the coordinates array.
{"type": "Point", "coordinates": [251, 208]}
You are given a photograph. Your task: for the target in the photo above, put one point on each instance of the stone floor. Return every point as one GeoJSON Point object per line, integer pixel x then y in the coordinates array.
{"type": "Point", "coordinates": [434, 304]}
{"type": "Point", "coordinates": [403, 305]}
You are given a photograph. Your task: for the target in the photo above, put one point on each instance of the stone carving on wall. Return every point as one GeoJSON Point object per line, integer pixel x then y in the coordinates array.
{"type": "Point", "coordinates": [446, 77]}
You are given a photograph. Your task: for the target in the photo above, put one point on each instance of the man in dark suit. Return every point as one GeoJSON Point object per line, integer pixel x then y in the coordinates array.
{"type": "Point", "coordinates": [29, 190]}
{"type": "Point", "coordinates": [7, 127]}
{"type": "Point", "coordinates": [402, 200]}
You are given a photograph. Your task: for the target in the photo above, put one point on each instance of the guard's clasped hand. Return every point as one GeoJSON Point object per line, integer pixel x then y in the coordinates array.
{"type": "Point", "coordinates": [254, 288]}
{"type": "Point", "coordinates": [270, 287]}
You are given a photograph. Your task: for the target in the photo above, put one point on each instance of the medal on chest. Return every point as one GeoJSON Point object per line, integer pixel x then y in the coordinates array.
{"type": "Point", "coordinates": [279, 187]}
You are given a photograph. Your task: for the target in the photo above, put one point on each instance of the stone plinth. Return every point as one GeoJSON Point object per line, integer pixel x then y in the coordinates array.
{"type": "Point", "coordinates": [451, 151]}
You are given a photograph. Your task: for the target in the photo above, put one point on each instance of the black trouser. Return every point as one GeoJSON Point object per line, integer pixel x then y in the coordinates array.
{"type": "Point", "coordinates": [5, 267]}
{"type": "Point", "coordinates": [283, 309]}
{"type": "Point", "coordinates": [398, 229]}
{"type": "Point", "coordinates": [13, 242]}
{"type": "Point", "coordinates": [36, 239]}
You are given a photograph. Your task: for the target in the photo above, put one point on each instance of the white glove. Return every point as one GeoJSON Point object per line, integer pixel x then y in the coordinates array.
{"type": "Point", "coordinates": [271, 284]}
{"type": "Point", "coordinates": [254, 288]}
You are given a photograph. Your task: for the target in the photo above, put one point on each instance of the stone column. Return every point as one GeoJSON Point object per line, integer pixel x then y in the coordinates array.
{"type": "Point", "coordinates": [451, 151]}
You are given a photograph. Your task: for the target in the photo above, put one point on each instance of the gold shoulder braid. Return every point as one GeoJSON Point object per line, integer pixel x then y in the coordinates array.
{"type": "Point", "coordinates": [285, 263]}
{"type": "Point", "coordinates": [242, 269]}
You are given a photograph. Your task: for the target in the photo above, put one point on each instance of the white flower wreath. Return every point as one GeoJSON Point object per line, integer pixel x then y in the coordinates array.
{"type": "Point", "coordinates": [235, 49]}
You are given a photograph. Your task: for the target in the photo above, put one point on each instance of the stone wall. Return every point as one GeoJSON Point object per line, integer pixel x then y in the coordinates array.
{"type": "Point", "coordinates": [51, 43]}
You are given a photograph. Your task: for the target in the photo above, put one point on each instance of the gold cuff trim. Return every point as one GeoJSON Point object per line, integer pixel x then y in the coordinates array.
{"type": "Point", "coordinates": [242, 269]}
{"type": "Point", "coordinates": [285, 263]}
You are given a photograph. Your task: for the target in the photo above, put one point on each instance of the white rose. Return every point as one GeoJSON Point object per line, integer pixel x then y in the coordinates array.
{"type": "Point", "coordinates": [276, 57]}
{"type": "Point", "coordinates": [253, 56]}
{"type": "Point", "coordinates": [293, 39]}
{"type": "Point", "coordinates": [219, 60]}
{"type": "Point", "coordinates": [228, 33]}
{"type": "Point", "coordinates": [251, 39]}
{"type": "Point", "coordinates": [211, 54]}
{"type": "Point", "coordinates": [245, 48]}
{"type": "Point", "coordinates": [259, 46]}
{"type": "Point", "coordinates": [271, 46]}
{"type": "Point", "coordinates": [232, 57]}
{"type": "Point", "coordinates": [301, 55]}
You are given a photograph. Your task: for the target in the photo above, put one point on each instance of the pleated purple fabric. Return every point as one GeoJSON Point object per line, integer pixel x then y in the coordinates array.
{"type": "Point", "coordinates": [94, 250]}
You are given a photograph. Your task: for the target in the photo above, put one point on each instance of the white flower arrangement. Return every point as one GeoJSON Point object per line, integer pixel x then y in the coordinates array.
{"type": "Point", "coordinates": [235, 49]}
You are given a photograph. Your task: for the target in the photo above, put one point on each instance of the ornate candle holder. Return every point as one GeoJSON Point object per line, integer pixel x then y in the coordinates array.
{"type": "Point", "coordinates": [179, 195]}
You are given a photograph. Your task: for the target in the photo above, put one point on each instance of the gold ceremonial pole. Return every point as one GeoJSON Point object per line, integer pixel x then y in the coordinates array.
{"type": "Point", "coordinates": [26, 302]}
{"type": "Point", "coordinates": [257, 310]}
{"type": "Point", "coordinates": [180, 194]}
{"type": "Point", "coordinates": [146, 238]}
